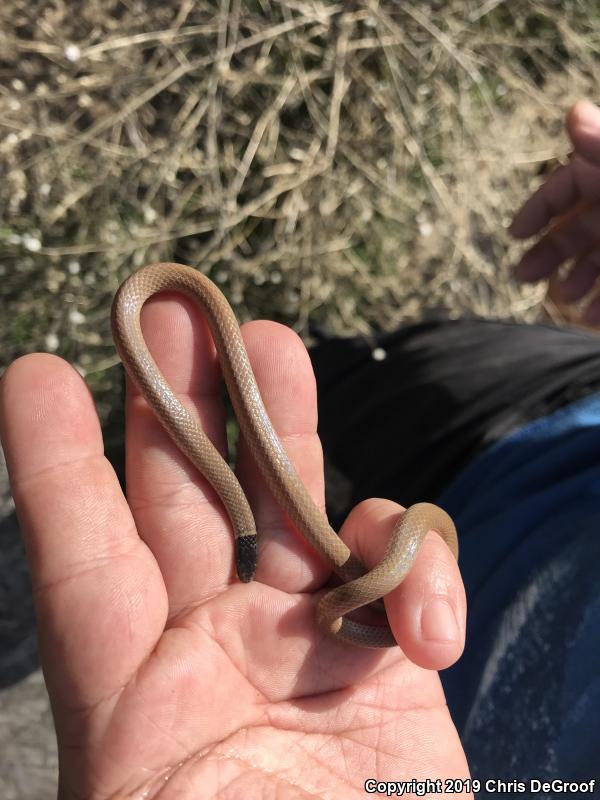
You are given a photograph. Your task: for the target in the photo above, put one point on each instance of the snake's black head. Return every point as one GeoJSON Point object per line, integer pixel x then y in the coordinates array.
{"type": "Point", "coordinates": [246, 556]}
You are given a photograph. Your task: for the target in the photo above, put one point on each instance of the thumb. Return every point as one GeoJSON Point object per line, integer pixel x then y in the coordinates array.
{"type": "Point", "coordinates": [583, 126]}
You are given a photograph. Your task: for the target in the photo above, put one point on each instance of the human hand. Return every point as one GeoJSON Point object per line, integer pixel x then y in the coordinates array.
{"type": "Point", "coordinates": [167, 677]}
{"type": "Point", "coordinates": [569, 202]}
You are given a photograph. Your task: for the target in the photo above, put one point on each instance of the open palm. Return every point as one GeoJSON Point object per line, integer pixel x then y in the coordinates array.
{"type": "Point", "coordinates": [167, 677]}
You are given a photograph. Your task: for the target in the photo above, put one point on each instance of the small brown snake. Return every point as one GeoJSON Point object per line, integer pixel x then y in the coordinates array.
{"type": "Point", "coordinates": [360, 587]}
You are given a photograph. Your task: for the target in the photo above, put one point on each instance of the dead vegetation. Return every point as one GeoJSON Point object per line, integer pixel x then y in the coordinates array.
{"type": "Point", "coordinates": [348, 163]}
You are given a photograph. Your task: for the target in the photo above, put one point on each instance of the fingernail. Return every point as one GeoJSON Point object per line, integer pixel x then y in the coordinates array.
{"type": "Point", "coordinates": [438, 623]}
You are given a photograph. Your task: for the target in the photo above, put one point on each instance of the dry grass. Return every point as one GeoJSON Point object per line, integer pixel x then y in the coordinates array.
{"type": "Point", "coordinates": [350, 163]}
{"type": "Point", "coordinates": [347, 163]}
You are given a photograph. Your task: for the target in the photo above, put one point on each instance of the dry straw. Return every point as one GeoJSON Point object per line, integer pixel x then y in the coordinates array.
{"type": "Point", "coordinates": [348, 163]}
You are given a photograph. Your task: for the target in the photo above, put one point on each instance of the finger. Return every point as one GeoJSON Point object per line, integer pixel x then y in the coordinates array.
{"type": "Point", "coordinates": [427, 611]}
{"type": "Point", "coordinates": [99, 596]}
{"type": "Point", "coordinates": [557, 195]}
{"type": "Point", "coordinates": [573, 236]}
{"type": "Point", "coordinates": [571, 184]}
{"type": "Point", "coordinates": [583, 126]}
{"type": "Point", "coordinates": [581, 277]}
{"type": "Point", "coordinates": [177, 512]}
{"type": "Point", "coordinates": [287, 384]}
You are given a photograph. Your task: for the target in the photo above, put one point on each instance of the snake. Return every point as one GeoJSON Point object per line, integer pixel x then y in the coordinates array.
{"type": "Point", "coordinates": [358, 586]}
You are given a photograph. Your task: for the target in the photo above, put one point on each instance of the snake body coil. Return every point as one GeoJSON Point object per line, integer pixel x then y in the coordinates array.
{"type": "Point", "coordinates": [360, 587]}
